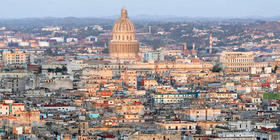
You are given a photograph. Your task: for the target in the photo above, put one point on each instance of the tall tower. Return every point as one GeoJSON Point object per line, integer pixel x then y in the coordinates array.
{"type": "Point", "coordinates": [210, 43]}
{"type": "Point", "coordinates": [123, 45]}
{"type": "Point", "coordinates": [193, 46]}
{"type": "Point", "coordinates": [150, 29]}
{"type": "Point", "coordinates": [185, 46]}
{"type": "Point", "coordinates": [193, 50]}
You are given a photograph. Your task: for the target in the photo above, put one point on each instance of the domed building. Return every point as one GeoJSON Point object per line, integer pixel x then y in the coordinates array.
{"type": "Point", "coordinates": [123, 44]}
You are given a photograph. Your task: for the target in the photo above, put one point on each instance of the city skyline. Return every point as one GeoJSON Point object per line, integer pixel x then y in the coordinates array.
{"type": "Point", "coordinates": [182, 8]}
{"type": "Point", "coordinates": [140, 70]}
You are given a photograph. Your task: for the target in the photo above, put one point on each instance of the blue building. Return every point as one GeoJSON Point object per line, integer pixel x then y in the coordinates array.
{"type": "Point", "coordinates": [155, 56]}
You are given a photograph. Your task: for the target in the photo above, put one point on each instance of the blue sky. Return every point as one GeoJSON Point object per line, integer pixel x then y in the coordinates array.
{"type": "Point", "coordinates": [100, 8]}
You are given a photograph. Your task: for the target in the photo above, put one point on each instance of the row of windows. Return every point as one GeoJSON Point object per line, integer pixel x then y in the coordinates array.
{"type": "Point", "coordinates": [5, 113]}
{"type": "Point", "coordinates": [14, 108]}
{"type": "Point", "coordinates": [173, 96]}
{"type": "Point", "coordinates": [182, 128]}
{"type": "Point", "coordinates": [243, 64]}
{"type": "Point", "coordinates": [169, 101]}
{"type": "Point", "coordinates": [123, 37]}
{"type": "Point", "coordinates": [240, 60]}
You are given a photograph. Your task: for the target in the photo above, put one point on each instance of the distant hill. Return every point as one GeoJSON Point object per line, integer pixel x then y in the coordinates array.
{"type": "Point", "coordinates": [269, 26]}
{"type": "Point", "coordinates": [75, 21]}
{"type": "Point", "coordinates": [50, 21]}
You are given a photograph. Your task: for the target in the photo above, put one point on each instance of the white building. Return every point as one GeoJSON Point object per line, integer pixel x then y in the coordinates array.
{"type": "Point", "coordinates": [51, 28]}
{"type": "Point", "coordinates": [60, 107]}
{"type": "Point", "coordinates": [24, 44]}
{"type": "Point", "coordinates": [58, 39]}
{"type": "Point", "coordinates": [168, 98]}
{"type": "Point", "coordinates": [9, 108]}
{"type": "Point", "coordinates": [241, 125]}
{"type": "Point", "coordinates": [44, 44]}
{"type": "Point", "coordinates": [71, 39]}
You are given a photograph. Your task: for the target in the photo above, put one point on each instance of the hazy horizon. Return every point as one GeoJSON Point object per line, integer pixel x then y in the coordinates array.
{"type": "Point", "coordinates": [17, 9]}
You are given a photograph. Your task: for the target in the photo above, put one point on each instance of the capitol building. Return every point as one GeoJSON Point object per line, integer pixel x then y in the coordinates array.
{"type": "Point", "coordinates": [123, 45]}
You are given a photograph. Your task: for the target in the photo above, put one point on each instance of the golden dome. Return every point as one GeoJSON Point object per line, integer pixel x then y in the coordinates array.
{"type": "Point", "coordinates": [123, 24]}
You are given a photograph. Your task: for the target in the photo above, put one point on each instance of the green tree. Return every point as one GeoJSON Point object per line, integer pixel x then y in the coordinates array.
{"type": "Point", "coordinates": [57, 69]}
{"type": "Point", "coordinates": [105, 51]}
{"type": "Point", "coordinates": [275, 69]}
{"type": "Point", "coordinates": [50, 70]}
{"type": "Point", "coordinates": [64, 69]}
{"type": "Point", "coordinates": [48, 51]}
{"type": "Point", "coordinates": [216, 68]}
{"type": "Point", "coordinates": [39, 70]}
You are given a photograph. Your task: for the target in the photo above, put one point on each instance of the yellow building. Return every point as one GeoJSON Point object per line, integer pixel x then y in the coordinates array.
{"type": "Point", "coordinates": [240, 61]}
{"type": "Point", "coordinates": [129, 77]}
{"type": "Point", "coordinates": [179, 126]}
{"type": "Point", "coordinates": [150, 84]}
{"type": "Point", "coordinates": [92, 76]}
{"type": "Point", "coordinates": [17, 57]}
{"type": "Point", "coordinates": [202, 114]}
{"type": "Point", "coordinates": [143, 136]}
{"type": "Point", "coordinates": [134, 108]}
